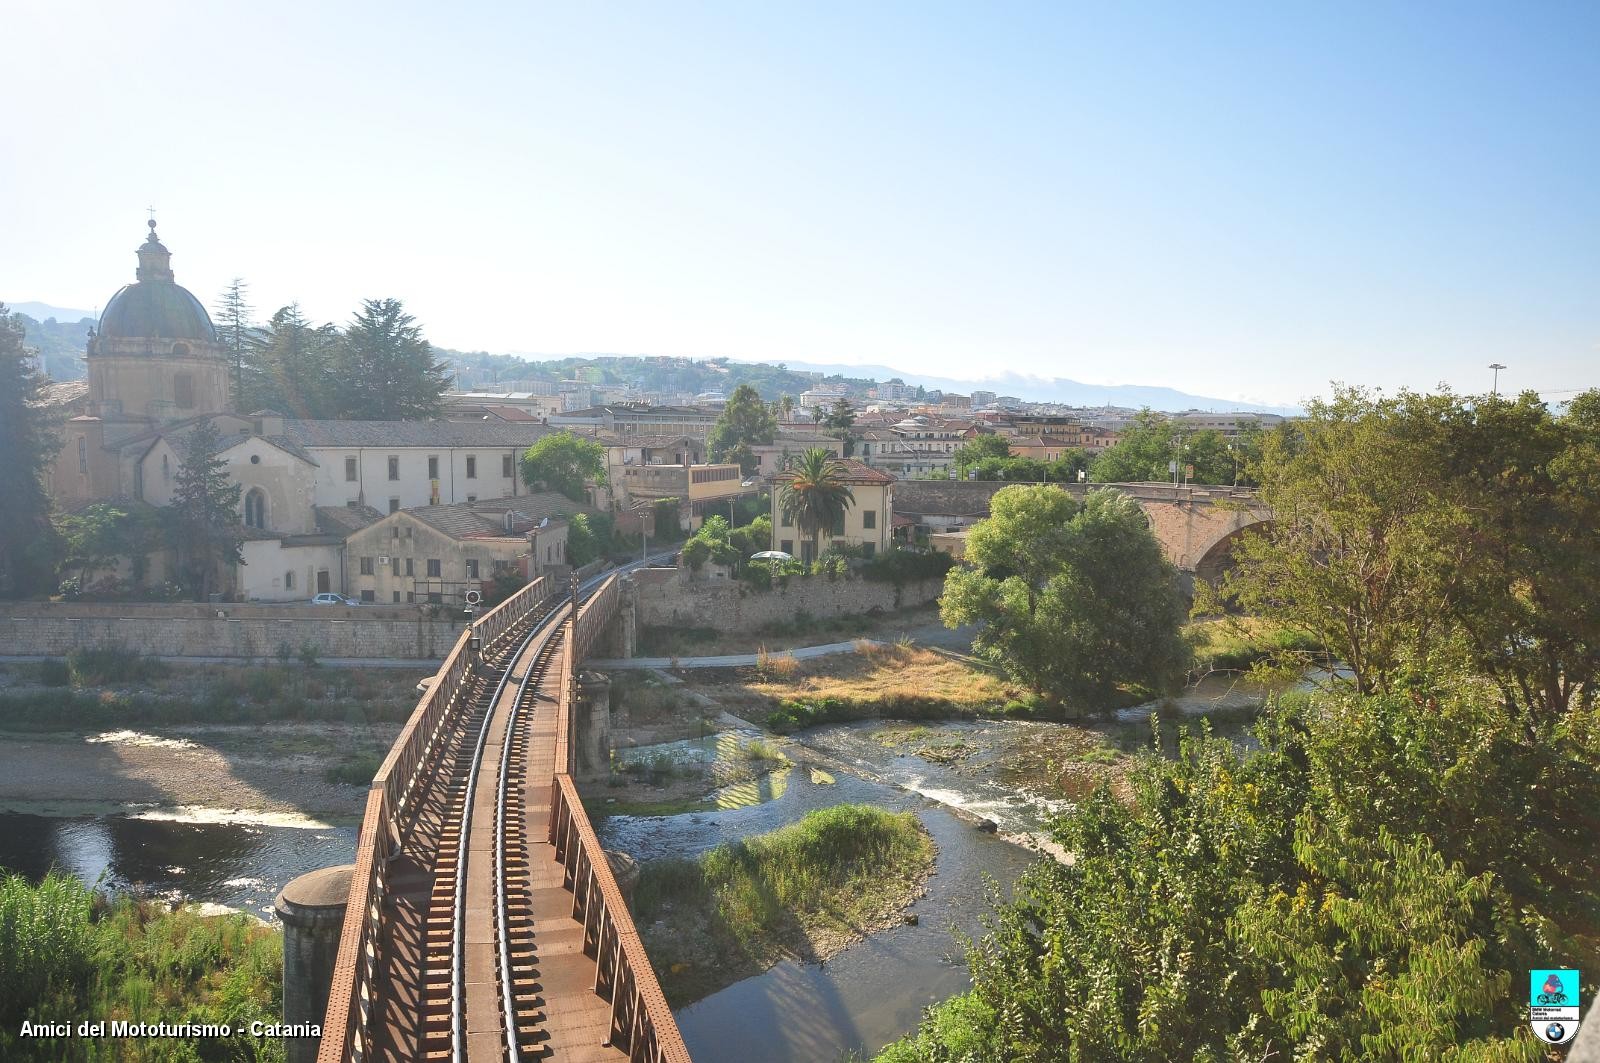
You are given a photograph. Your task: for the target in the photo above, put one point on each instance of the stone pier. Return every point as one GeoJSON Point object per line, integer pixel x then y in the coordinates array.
{"type": "Point", "coordinates": [312, 910]}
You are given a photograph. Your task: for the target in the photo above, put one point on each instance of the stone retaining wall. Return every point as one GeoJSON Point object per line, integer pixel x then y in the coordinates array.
{"type": "Point", "coordinates": [28, 629]}
{"type": "Point", "coordinates": [664, 597]}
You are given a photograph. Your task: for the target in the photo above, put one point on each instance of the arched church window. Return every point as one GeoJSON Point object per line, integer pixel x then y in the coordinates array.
{"type": "Point", "coordinates": [180, 350]}
{"type": "Point", "coordinates": [255, 508]}
{"type": "Point", "coordinates": [288, 580]}
{"type": "Point", "coordinates": [166, 469]}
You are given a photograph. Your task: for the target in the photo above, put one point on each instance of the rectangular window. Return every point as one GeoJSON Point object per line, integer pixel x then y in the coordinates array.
{"type": "Point", "coordinates": [433, 568]}
{"type": "Point", "coordinates": [397, 597]}
{"type": "Point", "coordinates": [183, 390]}
{"type": "Point", "coordinates": [472, 466]}
{"type": "Point", "coordinates": [411, 597]}
{"type": "Point", "coordinates": [869, 518]}
{"type": "Point", "coordinates": [868, 549]}
{"type": "Point", "coordinates": [394, 568]}
{"type": "Point", "coordinates": [394, 467]}
{"type": "Point", "coordinates": [350, 470]}
{"type": "Point", "coordinates": [472, 568]}
{"type": "Point", "coordinates": [369, 596]}
{"type": "Point", "coordinates": [787, 546]}
{"type": "Point", "coordinates": [83, 456]}
{"type": "Point", "coordinates": [394, 505]}
{"type": "Point", "coordinates": [366, 566]}
{"type": "Point", "coordinates": [410, 567]}
{"type": "Point", "coordinates": [472, 498]}
{"type": "Point", "coordinates": [433, 466]}
{"type": "Point", "coordinates": [506, 466]}
{"type": "Point", "coordinates": [838, 526]}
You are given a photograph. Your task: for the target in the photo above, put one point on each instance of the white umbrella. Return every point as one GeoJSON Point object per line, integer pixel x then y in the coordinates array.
{"type": "Point", "coordinates": [772, 555]}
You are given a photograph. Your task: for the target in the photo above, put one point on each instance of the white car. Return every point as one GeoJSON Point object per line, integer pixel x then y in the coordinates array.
{"type": "Point", "coordinates": [327, 598]}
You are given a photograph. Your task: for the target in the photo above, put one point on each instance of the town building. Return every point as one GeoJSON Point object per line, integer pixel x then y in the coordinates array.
{"type": "Point", "coordinates": [638, 419]}
{"type": "Point", "coordinates": [434, 555]}
{"type": "Point", "coordinates": [868, 522]}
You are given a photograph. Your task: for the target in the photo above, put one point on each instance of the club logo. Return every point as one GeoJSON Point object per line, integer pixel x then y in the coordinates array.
{"type": "Point", "coordinates": [1553, 1001]}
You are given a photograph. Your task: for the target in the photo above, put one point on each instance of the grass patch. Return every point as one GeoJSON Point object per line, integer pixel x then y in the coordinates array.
{"type": "Point", "coordinates": [805, 890]}
{"type": "Point", "coordinates": [69, 954]}
{"type": "Point", "coordinates": [1238, 643]}
{"type": "Point", "coordinates": [357, 770]}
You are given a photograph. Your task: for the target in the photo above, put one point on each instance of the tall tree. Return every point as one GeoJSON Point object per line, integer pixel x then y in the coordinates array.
{"type": "Point", "coordinates": [28, 444]}
{"type": "Point", "coordinates": [236, 329]}
{"type": "Point", "coordinates": [815, 496]}
{"type": "Point", "coordinates": [297, 368]}
{"type": "Point", "coordinates": [841, 418]}
{"type": "Point", "coordinates": [1073, 602]}
{"type": "Point", "coordinates": [566, 463]}
{"type": "Point", "coordinates": [385, 369]}
{"type": "Point", "coordinates": [744, 422]}
{"type": "Point", "coordinates": [980, 449]}
{"type": "Point", "coordinates": [205, 513]}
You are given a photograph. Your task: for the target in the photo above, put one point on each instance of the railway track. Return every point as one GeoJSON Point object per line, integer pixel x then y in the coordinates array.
{"type": "Point", "coordinates": [446, 819]}
{"type": "Point", "coordinates": [474, 899]}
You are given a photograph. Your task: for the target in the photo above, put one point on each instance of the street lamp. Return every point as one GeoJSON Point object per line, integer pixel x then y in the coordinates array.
{"type": "Point", "coordinates": [1494, 392]}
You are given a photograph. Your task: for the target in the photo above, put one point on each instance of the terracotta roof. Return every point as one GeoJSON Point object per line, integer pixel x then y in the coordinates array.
{"type": "Point", "coordinates": [343, 520]}
{"type": "Point", "coordinates": [850, 471]}
{"type": "Point", "coordinates": [62, 394]}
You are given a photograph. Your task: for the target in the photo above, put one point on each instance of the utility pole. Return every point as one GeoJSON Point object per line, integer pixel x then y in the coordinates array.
{"type": "Point", "coordinates": [1494, 392]}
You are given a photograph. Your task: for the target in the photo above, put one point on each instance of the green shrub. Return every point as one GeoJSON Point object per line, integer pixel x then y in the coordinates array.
{"type": "Point", "coordinates": [900, 566]}
{"type": "Point", "coordinates": [98, 665]}
{"type": "Point", "coordinates": [53, 672]}
{"type": "Point", "coordinates": [357, 770]}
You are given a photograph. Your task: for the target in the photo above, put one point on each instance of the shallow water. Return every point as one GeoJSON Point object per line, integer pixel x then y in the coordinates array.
{"type": "Point", "coordinates": [873, 992]}
{"type": "Point", "coordinates": [877, 989]}
{"type": "Point", "coordinates": [188, 854]}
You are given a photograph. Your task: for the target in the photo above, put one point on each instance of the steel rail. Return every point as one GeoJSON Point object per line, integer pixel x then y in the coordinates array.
{"type": "Point", "coordinates": [535, 669]}
{"type": "Point", "coordinates": [458, 996]}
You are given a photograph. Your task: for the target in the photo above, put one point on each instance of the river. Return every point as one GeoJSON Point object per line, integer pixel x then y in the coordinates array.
{"type": "Point", "coordinates": [860, 1000]}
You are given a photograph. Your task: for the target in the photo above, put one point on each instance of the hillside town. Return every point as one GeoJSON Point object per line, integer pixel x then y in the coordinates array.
{"type": "Point", "coordinates": [428, 510]}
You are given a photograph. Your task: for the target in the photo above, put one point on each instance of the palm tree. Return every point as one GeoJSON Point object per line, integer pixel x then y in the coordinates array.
{"type": "Point", "coordinates": [815, 496]}
{"type": "Point", "coordinates": [787, 405]}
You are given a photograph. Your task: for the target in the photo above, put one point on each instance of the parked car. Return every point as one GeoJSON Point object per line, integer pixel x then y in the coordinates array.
{"type": "Point", "coordinates": [327, 598]}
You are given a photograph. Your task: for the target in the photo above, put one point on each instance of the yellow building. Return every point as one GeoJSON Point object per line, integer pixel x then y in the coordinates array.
{"type": "Point", "coordinates": [868, 522]}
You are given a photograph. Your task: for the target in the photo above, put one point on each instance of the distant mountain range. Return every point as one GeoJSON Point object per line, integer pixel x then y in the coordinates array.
{"type": "Point", "coordinates": [44, 311]}
{"type": "Point", "coordinates": [1052, 389]}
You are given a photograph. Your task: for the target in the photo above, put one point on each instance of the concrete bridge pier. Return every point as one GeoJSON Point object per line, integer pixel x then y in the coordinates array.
{"type": "Point", "coordinates": [312, 911]}
{"type": "Point", "coordinates": [593, 724]}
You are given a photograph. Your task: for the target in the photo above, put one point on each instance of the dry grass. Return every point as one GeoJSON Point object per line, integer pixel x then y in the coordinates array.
{"type": "Point", "coordinates": [878, 674]}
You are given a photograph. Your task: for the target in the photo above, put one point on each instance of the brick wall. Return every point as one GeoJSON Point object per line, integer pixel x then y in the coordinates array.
{"type": "Point", "coordinates": [665, 597]}
{"type": "Point", "coordinates": [32, 628]}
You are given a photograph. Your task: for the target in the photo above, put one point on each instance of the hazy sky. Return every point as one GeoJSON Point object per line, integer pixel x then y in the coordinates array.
{"type": "Point", "coordinates": [1241, 200]}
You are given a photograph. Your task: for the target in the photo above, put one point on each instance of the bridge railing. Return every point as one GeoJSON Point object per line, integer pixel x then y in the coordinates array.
{"type": "Point", "coordinates": [497, 621]}
{"type": "Point", "coordinates": [347, 1030]}
{"type": "Point", "coordinates": [641, 1021]}
{"type": "Point", "coordinates": [595, 614]}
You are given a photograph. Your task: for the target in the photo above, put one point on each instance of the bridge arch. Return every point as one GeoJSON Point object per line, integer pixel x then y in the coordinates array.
{"type": "Point", "coordinates": [1218, 560]}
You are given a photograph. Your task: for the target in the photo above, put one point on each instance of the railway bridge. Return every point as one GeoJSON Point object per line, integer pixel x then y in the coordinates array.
{"type": "Point", "coordinates": [484, 921]}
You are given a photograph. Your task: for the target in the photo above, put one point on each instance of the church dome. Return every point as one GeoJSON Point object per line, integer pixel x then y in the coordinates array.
{"type": "Point", "coordinates": [155, 306]}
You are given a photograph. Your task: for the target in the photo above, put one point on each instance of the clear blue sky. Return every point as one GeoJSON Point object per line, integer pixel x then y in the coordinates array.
{"type": "Point", "coordinates": [1243, 200]}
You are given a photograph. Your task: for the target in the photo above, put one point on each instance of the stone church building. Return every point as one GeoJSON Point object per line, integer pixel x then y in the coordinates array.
{"type": "Point", "coordinates": [156, 370]}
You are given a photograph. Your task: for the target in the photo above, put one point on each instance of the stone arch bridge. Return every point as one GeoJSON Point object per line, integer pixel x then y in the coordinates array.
{"type": "Point", "coordinates": [1197, 525]}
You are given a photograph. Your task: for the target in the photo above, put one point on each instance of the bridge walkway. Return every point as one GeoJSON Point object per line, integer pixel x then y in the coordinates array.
{"type": "Point", "coordinates": [561, 1018]}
